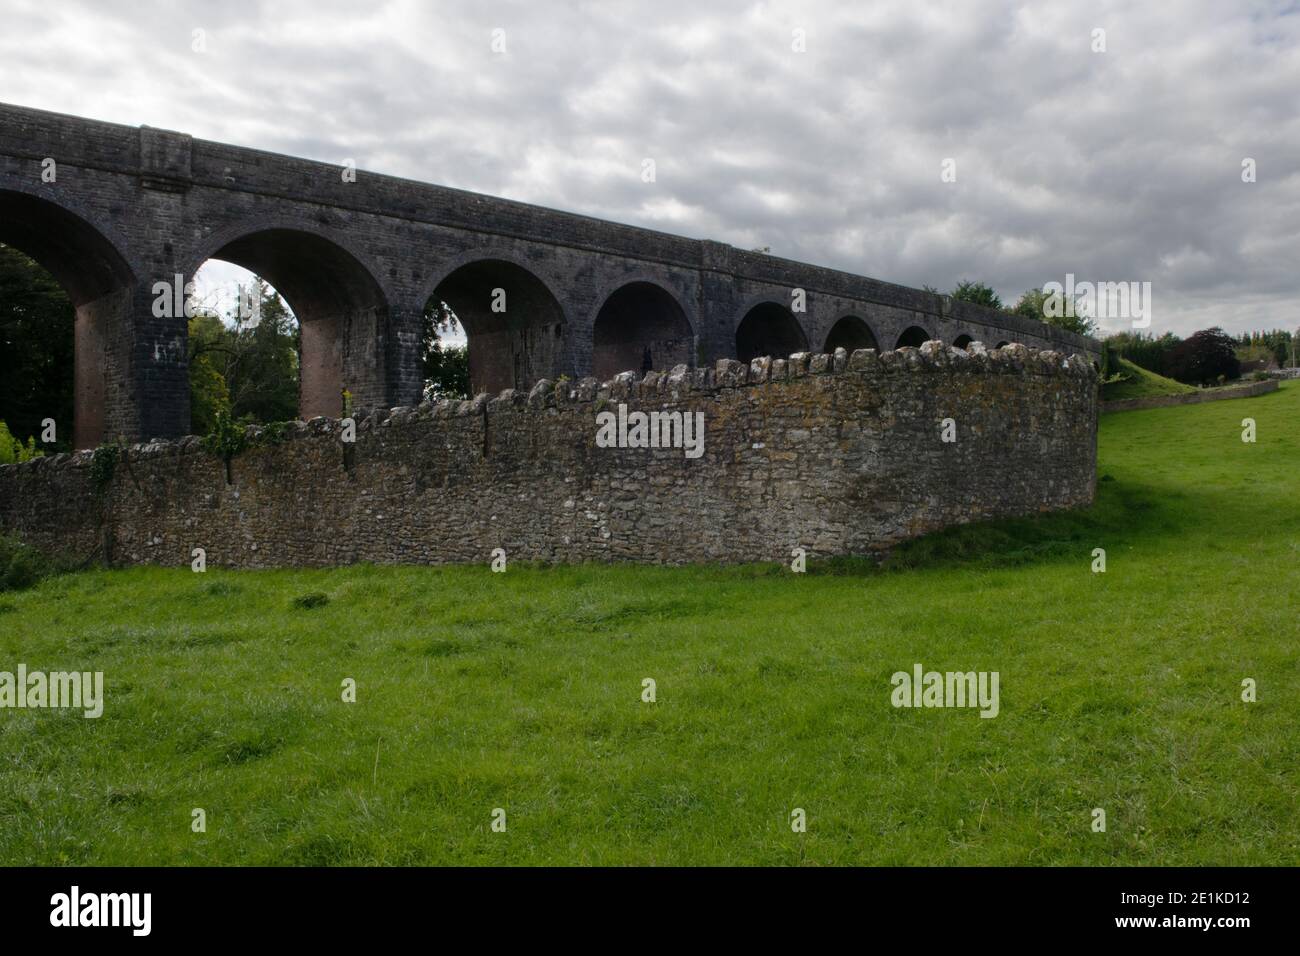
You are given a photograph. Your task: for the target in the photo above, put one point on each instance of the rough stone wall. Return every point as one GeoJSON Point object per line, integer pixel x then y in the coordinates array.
{"type": "Point", "coordinates": [836, 454]}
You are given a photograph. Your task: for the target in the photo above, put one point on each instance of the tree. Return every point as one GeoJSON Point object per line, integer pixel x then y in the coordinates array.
{"type": "Point", "coordinates": [1054, 309]}
{"type": "Point", "coordinates": [1149, 352]}
{"type": "Point", "coordinates": [1277, 344]}
{"type": "Point", "coordinates": [263, 376]}
{"type": "Point", "coordinates": [978, 293]}
{"type": "Point", "coordinates": [1206, 357]}
{"type": "Point", "coordinates": [246, 370]}
{"type": "Point", "coordinates": [209, 394]}
{"type": "Point", "coordinates": [445, 368]}
{"type": "Point", "coordinates": [37, 334]}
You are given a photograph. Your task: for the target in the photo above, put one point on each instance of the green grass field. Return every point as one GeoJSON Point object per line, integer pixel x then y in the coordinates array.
{"type": "Point", "coordinates": [522, 691]}
{"type": "Point", "coordinates": [1141, 383]}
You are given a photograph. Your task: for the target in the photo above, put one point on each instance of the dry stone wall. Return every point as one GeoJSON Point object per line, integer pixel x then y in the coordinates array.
{"type": "Point", "coordinates": [1251, 390]}
{"type": "Point", "coordinates": [837, 454]}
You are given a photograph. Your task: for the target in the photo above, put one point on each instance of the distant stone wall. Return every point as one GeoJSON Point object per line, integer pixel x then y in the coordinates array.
{"type": "Point", "coordinates": [1191, 398]}
{"type": "Point", "coordinates": [836, 454]}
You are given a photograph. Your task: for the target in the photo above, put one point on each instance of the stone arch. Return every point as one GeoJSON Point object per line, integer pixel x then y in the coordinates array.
{"type": "Point", "coordinates": [496, 251]}
{"type": "Point", "coordinates": [89, 262]}
{"type": "Point", "coordinates": [341, 307]}
{"type": "Point", "coordinates": [514, 339]}
{"type": "Point", "coordinates": [57, 198]}
{"type": "Point", "coordinates": [962, 341]}
{"type": "Point", "coordinates": [769, 328]}
{"type": "Point", "coordinates": [913, 336]}
{"type": "Point", "coordinates": [1002, 345]}
{"type": "Point", "coordinates": [640, 326]}
{"type": "Point", "coordinates": [849, 333]}
{"type": "Point", "coordinates": [212, 243]}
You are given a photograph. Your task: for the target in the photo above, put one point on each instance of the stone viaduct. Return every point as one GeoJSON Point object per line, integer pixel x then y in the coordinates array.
{"type": "Point", "coordinates": [111, 211]}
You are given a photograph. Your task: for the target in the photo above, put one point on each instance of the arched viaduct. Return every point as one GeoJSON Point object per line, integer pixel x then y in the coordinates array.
{"type": "Point", "coordinates": [111, 211]}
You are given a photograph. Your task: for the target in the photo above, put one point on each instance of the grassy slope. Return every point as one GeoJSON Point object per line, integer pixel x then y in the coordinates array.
{"type": "Point", "coordinates": [1119, 690]}
{"type": "Point", "coordinates": [1141, 383]}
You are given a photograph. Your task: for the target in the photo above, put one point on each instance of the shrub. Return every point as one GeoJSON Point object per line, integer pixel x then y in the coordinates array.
{"type": "Point", "coordinates": [22, 566]}
{"type": "Point", "coordinates": [227, 438]}
{"type": "Point", "coordinates": [273, 433]}
{"type": "Point", "coordinates": [103, 464]}
{"type": "Point", "coordinates": [12, 450]}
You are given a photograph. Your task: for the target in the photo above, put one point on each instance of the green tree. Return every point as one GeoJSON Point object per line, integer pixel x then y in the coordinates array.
{"type": "Point", "coordinates": [1278, 344]}
{"type": "Point", "coordinates": [1149, 352]}
{"type": "Point", "coordinates": [445, 368]}
{"type": "Point", "coordinates": [242, 368]}
{"type": "Point", "coordinates": [262, 371]}
{"type": "Point", "coordinates": [210, 347]}
{"type": "Point", "coordinates": [978, 293]}
{"type": "Point", "coordinates": [37, 323]}
{"type": "Point", "coordinates": [1054, 309]}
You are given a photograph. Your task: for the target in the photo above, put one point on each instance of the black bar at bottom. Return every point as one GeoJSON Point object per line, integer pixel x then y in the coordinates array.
{"type": "Point", "coordinates": [331, 906]}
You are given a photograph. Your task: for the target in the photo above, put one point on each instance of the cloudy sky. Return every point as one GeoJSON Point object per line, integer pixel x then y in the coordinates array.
{"type": "Point", "coordinates": [1119, 165]}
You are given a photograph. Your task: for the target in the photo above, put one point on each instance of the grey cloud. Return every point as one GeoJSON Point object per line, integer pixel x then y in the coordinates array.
{"type": "Point", "coordinates": [1118, 165]}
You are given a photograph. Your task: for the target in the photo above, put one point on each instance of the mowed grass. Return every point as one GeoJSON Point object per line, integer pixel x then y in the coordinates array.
{"type": "Point", "coordinates": [523, 690]}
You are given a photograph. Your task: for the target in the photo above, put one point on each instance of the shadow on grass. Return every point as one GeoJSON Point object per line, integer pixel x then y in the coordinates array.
{"type": "Point", "coordinates": [1124, 512]}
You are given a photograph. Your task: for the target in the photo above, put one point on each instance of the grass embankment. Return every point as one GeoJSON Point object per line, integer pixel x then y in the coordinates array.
{"type": "Point", "coordinates": [523, 690]}
{"type": "Point", "coordinates": [1140, 383]}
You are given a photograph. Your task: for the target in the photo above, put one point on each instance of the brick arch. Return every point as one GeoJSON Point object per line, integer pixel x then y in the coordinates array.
{"type": "Point", "coordinates": [94, 267]}
{"type": "Point", "coordinates": [498, 251]}
{"type": "Point", "coordinates": [341, 304]}
{"type": "Point", "coordinates": [639, 323]}
{"type": "Point", "coordinates": [213, 243]}
{"type": "Point", "coordinates": [851, 331]}
{"type": "Point", "coordinates": [529, 341]}
{"type": "Point", "coordinates": [661, 279]}
{"type": "Point", "coordinates": [914, 336]}
{"type": "Point", "coordinates": [44, 196]}
{"type": "Point", "coordinates": [766, 326]}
